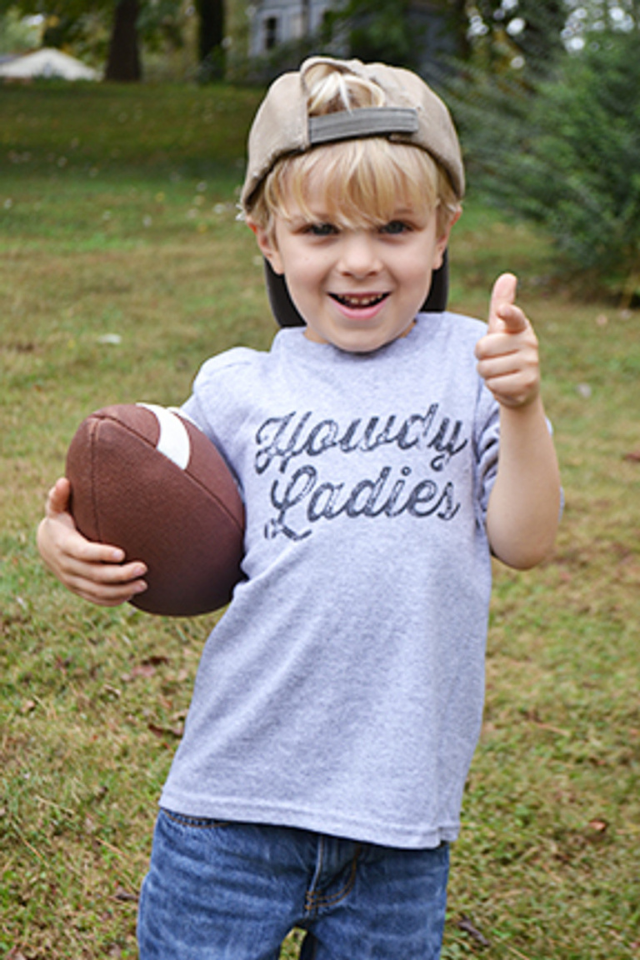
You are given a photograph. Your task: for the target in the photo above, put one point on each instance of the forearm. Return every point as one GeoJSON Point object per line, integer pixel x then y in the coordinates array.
{"type": "Point", "coordinates": [524, 507]}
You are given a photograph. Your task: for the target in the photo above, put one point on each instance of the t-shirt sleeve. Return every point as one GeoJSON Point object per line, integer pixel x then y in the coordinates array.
{"type": "Point", "coordinates": [487, 448]}
{"type": "Point", "coordinates": [216, 403]}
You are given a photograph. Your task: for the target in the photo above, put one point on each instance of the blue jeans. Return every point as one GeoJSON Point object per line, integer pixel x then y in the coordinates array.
{"type": "Point", "coordinates": [230, 891]}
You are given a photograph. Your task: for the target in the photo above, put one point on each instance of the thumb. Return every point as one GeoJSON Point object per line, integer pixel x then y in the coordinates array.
{"type": "Point", "coordinates": [503, 296]}
{"type": "Point", "coordinates": [59, 497]}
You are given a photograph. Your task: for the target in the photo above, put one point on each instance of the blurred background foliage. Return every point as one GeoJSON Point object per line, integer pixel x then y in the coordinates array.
{"type": "Point", "coordinates": [560, 146]}
{"type": "Point", "coordinates": [546, 93]}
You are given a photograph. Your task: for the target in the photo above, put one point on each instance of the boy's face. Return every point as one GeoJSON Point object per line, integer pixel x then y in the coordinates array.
{"type": "Point", "coordinates": [357, 289]}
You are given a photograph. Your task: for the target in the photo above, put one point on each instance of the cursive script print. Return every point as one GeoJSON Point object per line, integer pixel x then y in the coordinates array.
{"type": "Point", "coordinates": [301, 498]}
{"type": "Point", "coordinates": [282, 439]}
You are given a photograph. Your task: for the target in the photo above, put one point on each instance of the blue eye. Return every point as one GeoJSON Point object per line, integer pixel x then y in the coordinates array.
{"type": "Point", "coordinates": [395, 227]}
{"type": "Point", "coordinates": [321, 229]}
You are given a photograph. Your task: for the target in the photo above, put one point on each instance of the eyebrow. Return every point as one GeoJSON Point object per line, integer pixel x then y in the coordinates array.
{"type": "Point", "coordinates": [319, 216]}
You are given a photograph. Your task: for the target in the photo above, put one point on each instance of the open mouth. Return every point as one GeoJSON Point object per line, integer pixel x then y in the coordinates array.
{"type": "Point", "coordinates": [359, 302]}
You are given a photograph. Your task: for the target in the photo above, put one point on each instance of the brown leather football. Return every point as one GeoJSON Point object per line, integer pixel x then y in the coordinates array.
{"type": "Point", "coordinates": [146, 479]}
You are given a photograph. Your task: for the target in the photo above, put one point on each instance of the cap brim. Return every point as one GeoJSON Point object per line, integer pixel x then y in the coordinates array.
{"type": "Point", "coordinates": [287, 315]}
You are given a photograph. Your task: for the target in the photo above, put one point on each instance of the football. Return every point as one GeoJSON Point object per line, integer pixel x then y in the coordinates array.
{"type": "Point", "coordinates": [146, 479]}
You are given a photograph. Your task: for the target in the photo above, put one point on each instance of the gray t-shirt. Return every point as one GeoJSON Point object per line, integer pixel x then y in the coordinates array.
{"type": "Point", "coordinates": [342, 690]}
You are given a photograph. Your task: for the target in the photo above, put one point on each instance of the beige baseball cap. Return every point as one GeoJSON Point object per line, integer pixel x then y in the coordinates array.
{"type": "Point", "coordinates": [412, 113]}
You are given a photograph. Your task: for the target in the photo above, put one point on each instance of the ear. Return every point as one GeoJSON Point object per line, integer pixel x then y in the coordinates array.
{"type": "Point", "coordinates": [443, 240]}
{"type": "Point", "coordinates": [268, 248]}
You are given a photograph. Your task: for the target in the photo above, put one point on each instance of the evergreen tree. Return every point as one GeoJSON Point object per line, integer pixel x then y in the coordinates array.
{"type": "Point", "coordinates": [565, 153]}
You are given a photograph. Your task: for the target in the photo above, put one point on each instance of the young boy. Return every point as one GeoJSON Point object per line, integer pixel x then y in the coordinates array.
{"type": "Point", "coordinates": [384, 454]}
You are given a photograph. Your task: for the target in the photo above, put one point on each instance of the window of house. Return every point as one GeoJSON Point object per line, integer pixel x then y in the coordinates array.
{"type": "Point", "coordinates": [270, 32]}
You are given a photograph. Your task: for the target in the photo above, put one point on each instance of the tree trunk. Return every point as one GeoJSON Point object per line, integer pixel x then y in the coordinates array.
{"type": "Point", "coordinates": [210, 36]}
{"type": "Point", "coordinates": [458, 23]}
{"type": "Point", "coordinates": [123, 63]}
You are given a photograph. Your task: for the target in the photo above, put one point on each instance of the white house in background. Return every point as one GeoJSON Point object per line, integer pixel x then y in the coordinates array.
{"type": "Point", "coordinates": [47, 62]}
{"type": "Point", "coordinates": [274, 22]}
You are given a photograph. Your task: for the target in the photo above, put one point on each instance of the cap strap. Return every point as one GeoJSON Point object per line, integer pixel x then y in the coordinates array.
{"type": "Point", "coordinates": [364, 122]}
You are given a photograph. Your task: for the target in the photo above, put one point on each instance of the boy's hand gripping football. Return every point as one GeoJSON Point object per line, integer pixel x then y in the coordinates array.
{"type": "Point", "coordinates": [94, 571]}
{"type": "Point", "coordinates": [508, 353]}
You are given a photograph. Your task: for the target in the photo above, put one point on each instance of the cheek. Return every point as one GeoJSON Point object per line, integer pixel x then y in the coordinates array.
{"type": "Point", "coordinates": [304, 272]}
{"type": "Point", "coordinates": [423, 264]}
{"type": "Point", "coordinates": [418, 274]}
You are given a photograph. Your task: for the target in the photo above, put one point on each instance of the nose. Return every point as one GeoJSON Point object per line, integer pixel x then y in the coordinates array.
{"type": "Point", "coordinates": [359, 255]}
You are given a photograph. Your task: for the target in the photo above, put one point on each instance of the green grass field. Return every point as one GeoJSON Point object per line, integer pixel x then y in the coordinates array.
{"type": "Point", "coordinates": [122, 267]}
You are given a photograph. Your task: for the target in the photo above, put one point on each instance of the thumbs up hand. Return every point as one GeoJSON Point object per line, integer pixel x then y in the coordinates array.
{"type": "Point", "coordinates": [508, 353]}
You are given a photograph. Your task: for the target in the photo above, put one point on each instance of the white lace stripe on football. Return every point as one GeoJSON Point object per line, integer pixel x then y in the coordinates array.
{"type": "Point", "coordinates": [173, 441]}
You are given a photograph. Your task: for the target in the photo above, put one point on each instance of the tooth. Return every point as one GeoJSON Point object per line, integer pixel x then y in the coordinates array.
{"type": "Point", "coordinates": [356, 301]}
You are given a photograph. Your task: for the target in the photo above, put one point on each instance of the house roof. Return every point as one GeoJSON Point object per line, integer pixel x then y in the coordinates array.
{"type": "Point", "coordinates": [47, 62]}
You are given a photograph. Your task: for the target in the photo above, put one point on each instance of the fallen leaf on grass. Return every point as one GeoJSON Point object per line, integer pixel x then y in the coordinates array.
{"type": "Point", "coordinates": [140, 670]}
{"type": "Point", "coordinates": [533, 717]}
{"type": "Point", "coordinates": [165, 731]}
{"type": "Point", "coordinates": [598, 826]}
{"type": "Point", "coordinates": [146, 668]}
{"type": "Point", "coordinates": [124, 896]}
{"type": "Point", "coordinates": [465, 924]}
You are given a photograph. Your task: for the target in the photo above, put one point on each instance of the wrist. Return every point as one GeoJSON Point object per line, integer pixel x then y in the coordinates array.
{"type": "Point", "coordinates": [531, 407]}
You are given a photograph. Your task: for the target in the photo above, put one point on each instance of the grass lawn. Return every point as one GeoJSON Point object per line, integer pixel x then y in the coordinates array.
{"type": "Point", "coordinates": [122, 267]}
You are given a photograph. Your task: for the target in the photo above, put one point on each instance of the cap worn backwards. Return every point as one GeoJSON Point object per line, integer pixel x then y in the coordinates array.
{"type": "Point", "coordinates": [412, 113]}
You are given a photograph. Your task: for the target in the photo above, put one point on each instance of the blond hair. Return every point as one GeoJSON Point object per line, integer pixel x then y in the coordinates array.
{"type": "Point", "coordinates": [361, 180]}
